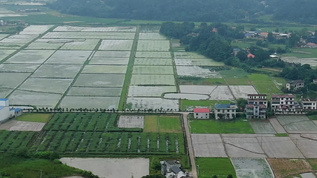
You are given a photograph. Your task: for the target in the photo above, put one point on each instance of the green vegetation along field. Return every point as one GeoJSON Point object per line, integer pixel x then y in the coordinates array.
{"type": "Point", "coordinates": [34, 117]}
{"type": "Point", "coordinates": [209, 167]}
{"type": "Point", "coordinates": [167, 124]}
{"type": "Point", "coordinates": [191, 104]}
{"type": "Point", "coordinates": [238, 126]}
{"type": "Point", "coordinates": [97, 133]}
{"type": "Point", "coordinates": [18, 166]}
{"type": "Point", "coordinates": [10, 141]}
{"type": "Point", "coordinates": [264, 84]}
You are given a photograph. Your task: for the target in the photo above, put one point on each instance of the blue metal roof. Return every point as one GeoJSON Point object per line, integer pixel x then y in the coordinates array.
{"type": "Point", "coordinates": [3, 99]}
{"type": "Point", "coordinates": [1, 107]}
{"type": "Point", "coordinates": [17, 109]}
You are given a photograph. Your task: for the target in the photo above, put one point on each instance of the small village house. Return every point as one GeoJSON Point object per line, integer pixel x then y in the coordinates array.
{"type": "Point", "coordinates": [172, 169]}
{"type": "Point", "coordinates": [295, 85]}
{"type": "Point", "coordinates": [283, 103]}
{"type": "Point", "coordinates": [201, 113]}
{"type": "Point", "coordinates": [225, 111]}
{"type": "Point", "coordinates": [257, 106]}
{"type": "Point", "coordinates": [6, 112]}
{"type": "Point", "coordinates": [309, 104]}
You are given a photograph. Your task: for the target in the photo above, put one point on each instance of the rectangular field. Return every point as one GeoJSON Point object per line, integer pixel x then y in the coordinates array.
{"type": "Point", "coordinates": [189, 105]}
{"type": "Point", "coordinates": [105, 69]}
{"type": "Point", "coordinates": [68, 57]}
{"type": "Point", "coordinates": [5, 53]}
{"type": "Point", "coordinates": [238, 126]}
{"type": "Point", "coordinates": [164, 124]}
{"type": "Point", "coordinates": [30, 56]}
{"type": "Point", "coordinates": [57, 71]}
{"type": "Point", "coordinates": [46, 85]}
{"type": "Point", "coordinates": [152, 62]}
{"type": "Point", "coordinates": [149, 80]}
{"type": "Point", "coordinates": [208, 145]}
{"type": "Point", "coordinates": [82, 44]}
{"type": "Point", "coordinates": [153, 45]}
{"type": "Point", "coordinates": [264, 84]}
{"type": "Point", "coordinates": [220, 167]}
{"type": "Point", "coordinates": [151, 36]}
{"type": "Point", "coordinates": [246, 167]}
{"type": "Point", "coordinates": [153, 91]}
{"type": "Point", "coordinates": [18, 68]}
{"type": "Point", "coordinates": [153, 103]}
{"type": "Point", "coordinates": [196, 71]}
{"type": "Point", "coordinates": [90, 35]}
{"type": "Point", "coordinates": [19, 97]}
{"type": "Point", "coordinates": [116, 45]}
{"type": "Point", "coordinates": [90, 91]}
{"type": "Point", "coordinates": [153, 54]}
{"type": "Point", "coordinates": [153, 70]}
{"type": "Point", "coordinates": [11, 141]}
{"type": "Point", "coordinates": [242, 91]}
{"type": "Point", "coordinates": [100, 80]}
{"type": "Point", "coordinates": [262, 127]}
{"type": "Point", "coordinates": [90, 102]}
{"type": "Point", "coordinates": [297, 124]}
{"type": "Point", "coordinates": [12, 80]}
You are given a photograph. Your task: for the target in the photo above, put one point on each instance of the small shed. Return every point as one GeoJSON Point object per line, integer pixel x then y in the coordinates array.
{"type": "Point", "coordinates": [201, 113]}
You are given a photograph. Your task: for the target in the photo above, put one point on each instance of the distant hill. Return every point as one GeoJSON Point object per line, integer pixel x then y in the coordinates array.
{"type": "Point", "coordinates": [192, 10]}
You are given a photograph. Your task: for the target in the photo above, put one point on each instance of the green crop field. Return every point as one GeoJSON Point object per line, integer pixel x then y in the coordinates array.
{"type": "Point", "coordinates": [97, 133]}
{"type": "Point", "coordinates": [11, 141]}
{"type": "Point", "coordinates": [209, 167]}
{"type": "Point", "coordinates": [12, 165]}
{"type": "Point", "coordinates": [34, 117]}
{"type": "Point", "coordinates": [238, 126]}
{"type": "Point", "coordinates": [264, 84]}
{"type": "Point", "coordinates": [191, 104]}
{"type": "Point", "coordinates": [163, 124]}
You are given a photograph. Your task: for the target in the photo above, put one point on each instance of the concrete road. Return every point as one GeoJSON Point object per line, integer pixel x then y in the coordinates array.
{"type": "Point", "coordinates": [190, 146]}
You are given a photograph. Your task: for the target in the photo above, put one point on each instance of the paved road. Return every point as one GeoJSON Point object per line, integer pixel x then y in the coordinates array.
{"type": "Point", "coordinates": [190, 146]}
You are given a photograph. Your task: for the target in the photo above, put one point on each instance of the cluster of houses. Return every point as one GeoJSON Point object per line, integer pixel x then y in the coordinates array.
{"type": "Point", "coordinates": [258, 106]}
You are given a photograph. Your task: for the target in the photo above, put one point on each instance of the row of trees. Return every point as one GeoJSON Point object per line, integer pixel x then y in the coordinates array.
{"type": "Point", "coordinates": [193, 10]}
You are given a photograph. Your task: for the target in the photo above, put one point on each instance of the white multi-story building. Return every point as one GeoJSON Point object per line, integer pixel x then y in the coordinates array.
{"type": "Point", "coordinates": [283, 103]}
{"type": "Point", "coordinates": [309, 104]}
{"type": "Point", "coordinates": [4, 109]}
{"type": "Point", "coordinates": [257, 106]}
{"type": "Point", "coordinates": [225, 111]}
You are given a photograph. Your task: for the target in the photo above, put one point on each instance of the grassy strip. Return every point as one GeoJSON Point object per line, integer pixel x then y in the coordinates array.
{"type": "Point", "coordinates": [162, 124]}
{"type": "Point", "coordinates": [209, 167]}
{"type": "Point", "coordinates": [191, 104]}
{"type": "Point", "coordinates": [238, 126]}
{"type": "Point", "coordinates": [128, 74]}
{"type": "Point", "coordinates": [34, 117]}
{"type": "Point", "coordinates": [18, 166]}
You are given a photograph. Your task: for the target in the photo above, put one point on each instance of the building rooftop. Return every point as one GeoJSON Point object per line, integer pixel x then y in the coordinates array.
{"type": "Point", "coordinates": [307, 99]}
{"type": "Point", "coordinates": [1, 107]}
{"type": "Point", "coordinates": [257, 94]}
{"type": "Point", "coordinates": [3, 99]}
{"type": "Point", "coordinates": [252, 105]}
{"type": "Point", "coordinates": [283, 96]}
{"type": "Point", "coordinates": [202, 110]}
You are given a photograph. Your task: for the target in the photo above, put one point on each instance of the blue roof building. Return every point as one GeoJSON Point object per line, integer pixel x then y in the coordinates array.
{"type": "Point", "coordinates": [225, 111]}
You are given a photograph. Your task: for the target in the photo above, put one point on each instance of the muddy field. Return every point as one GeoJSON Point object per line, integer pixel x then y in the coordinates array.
{"type": "Point", "coordinates": [287, 167]}
{"type": "Point", "coordinates": [111, 167]}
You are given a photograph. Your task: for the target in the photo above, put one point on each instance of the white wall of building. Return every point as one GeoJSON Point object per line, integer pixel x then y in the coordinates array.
{"type": "Point", "coordinates": [4, 114]}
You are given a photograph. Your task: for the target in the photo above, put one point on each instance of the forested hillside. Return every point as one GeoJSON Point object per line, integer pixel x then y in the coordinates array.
{"type": "Point", "coordinates": [192, 10]}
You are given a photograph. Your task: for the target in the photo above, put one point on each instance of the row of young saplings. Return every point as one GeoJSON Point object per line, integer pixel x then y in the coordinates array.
{"type": "Point", "coordinates": [124, 142]}
{"type": "Point", "coordinates": [81, 122]}
{"type": "Point", "coordinates": [12, 140]}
